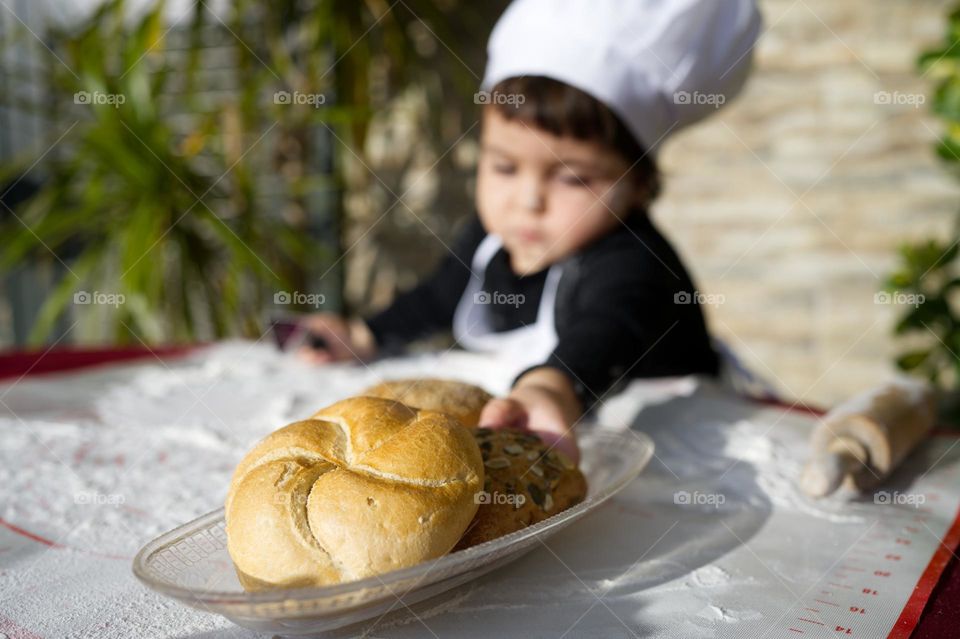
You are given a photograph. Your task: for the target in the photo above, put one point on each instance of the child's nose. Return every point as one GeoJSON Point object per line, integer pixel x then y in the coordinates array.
{"type": "Point", "coordinates": [533, 196]}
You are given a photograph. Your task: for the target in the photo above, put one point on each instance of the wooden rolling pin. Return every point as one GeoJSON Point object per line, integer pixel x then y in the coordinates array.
{"type": "Point", "coordinates": [862, 441]}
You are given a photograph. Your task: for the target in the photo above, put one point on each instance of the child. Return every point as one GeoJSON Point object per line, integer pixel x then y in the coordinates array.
{"type": "Point", "coordinates": [562, 274]}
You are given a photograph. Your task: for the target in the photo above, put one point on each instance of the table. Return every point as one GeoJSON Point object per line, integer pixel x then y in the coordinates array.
{"type": "Point", "coordinates": [940, 617]}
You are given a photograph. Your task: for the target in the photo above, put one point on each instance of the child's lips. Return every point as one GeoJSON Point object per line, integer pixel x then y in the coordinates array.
{"type": "Point", "coordinates": [528, 236]}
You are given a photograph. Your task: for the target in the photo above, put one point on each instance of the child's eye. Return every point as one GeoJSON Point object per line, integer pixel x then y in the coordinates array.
{"type": "Point", "coordinates": [573, 180]}
{"type": "Point", "coordinates": [504, 169]}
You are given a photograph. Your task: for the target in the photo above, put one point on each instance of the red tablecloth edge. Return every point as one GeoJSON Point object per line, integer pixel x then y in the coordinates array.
{"type": "Point", "coordinates": [939, 583]}
{"type": "Point", "coordinates": [17, 364]}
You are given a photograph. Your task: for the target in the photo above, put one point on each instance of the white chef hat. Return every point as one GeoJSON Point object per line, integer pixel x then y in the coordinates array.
{"type": "Point", "coordinates": [658, 64]}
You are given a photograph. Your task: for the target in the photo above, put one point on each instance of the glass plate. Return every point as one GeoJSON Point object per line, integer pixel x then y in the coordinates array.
{"type": "Point", "coordinates": [191, 563]}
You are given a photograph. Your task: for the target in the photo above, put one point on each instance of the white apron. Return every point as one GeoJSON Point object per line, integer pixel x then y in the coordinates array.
{"type": "Point", "coordinates": [521, 348]}
{"type": "Point", "coordinates": [516, 349]}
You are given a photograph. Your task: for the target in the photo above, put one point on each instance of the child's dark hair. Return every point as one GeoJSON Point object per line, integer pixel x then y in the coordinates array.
{"type": "Point", "coordinates": [565, 110]}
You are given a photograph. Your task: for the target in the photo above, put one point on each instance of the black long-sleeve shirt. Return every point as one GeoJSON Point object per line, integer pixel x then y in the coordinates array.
{"type": "Point", "coordinates": [625, 307]}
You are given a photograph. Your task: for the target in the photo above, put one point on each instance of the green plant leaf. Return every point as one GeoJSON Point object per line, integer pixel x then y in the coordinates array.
{"type": "Point", "coordinates": [56, 303]}
{"type": "Point", "coordinates": [912, 360]}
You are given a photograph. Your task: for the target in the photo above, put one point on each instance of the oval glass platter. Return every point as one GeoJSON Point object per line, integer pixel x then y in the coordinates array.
{"type": "Point", "coordinates": [191, 564]}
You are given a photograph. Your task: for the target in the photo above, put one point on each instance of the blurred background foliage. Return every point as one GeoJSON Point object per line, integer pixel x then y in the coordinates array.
{"type": "Point", "coordinates": [928, 270]}
{"type": "Point", "coordinates": [198, 167]}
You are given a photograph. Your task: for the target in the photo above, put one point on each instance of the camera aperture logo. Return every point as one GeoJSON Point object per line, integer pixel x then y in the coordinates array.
{"type": "Point", "coordinates": [100, 98]}
{"type": "Point", "coordinates": [316, 100]}
{"type": "Point", "coordinates": [716, 100]}
{"type": "Point", "coordinates": [285, 298]}
{"type": "Point", "coordinates": [900, 298]}
{"type": "Point", "coordinates": [899, 98]}
{"type": "Point", "coordinates": [99, 298]}
{"type": "Point", "coordinates": [696, 498]}
{"type": "Point", "coordinates": [293, 499]}
{"type": "Point", "coordinates": [696, 297]}
{"type": "Point", "coordinates": [98, 499]}
{"type": "Point", "coordinates": [897, 498]}
{"type": "Point", "coordinates": [486, 97]}
{"type": "Point", "coordinates": [498, 298]}
{"type": "Point", "coordinates": [499, 499]}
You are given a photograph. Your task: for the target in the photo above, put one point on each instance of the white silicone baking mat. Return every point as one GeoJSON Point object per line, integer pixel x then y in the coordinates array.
{"type": "Point", "coordinates": [712, 540]}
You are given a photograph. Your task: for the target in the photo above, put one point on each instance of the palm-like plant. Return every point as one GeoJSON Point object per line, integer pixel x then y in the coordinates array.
{"type": "Point", "coordinates": [185, 248]}
{"type": "Point", "coordinates": [197, 225]}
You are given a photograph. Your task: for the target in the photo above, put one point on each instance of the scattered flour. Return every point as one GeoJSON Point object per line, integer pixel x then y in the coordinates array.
{"type": "Point", "coordinates": [93, 465]}
{"type": "Point", "coordinates": [780, 464]}
{"type": "Point", "coordinates": [710, 577]}
{"type": "Point", "coordinates": [717, 613]}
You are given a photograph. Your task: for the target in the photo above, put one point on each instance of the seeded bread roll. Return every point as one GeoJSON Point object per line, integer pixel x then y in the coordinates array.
{"type": "Point", "coordinates": [362, 487]}
{"type": "Point", "coordinates": [459, 399]}
{"type": "Point", "coordinates": [525, 483]}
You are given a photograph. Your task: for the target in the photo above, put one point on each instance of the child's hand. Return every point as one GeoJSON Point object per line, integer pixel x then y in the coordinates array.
{"type": "Point", "coordinates": [542, 402]}
{"type": "Point", "coordinates": [344, 340]}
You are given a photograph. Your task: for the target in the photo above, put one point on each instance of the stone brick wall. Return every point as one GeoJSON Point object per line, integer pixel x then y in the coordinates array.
{"type": "Point", "coordinates": [790, 204]}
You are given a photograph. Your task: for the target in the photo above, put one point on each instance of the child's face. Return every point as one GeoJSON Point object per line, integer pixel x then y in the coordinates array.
{"type": "Point", "coordinates": [546, 196]}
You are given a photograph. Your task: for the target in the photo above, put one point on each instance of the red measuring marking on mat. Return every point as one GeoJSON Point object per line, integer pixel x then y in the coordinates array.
{"type": "Point", "coordinates": [81, 453]}
{"type": "Point", "coordinates": [53, 544]}
{"type": "Point", "coordinates": [856, 595]}
{"type": "Point", "coordinates": [910, 615]}
{"type": "Point", "coordinates": [29, 535]}
{"type": "Point", "coordinates": [10, 629]}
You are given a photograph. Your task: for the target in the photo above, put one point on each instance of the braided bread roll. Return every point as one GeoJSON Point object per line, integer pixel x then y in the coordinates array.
{"type": "Point", "coordinates": [362, 487]}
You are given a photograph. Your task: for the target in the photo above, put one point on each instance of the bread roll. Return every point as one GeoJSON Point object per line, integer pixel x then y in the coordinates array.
{"type": "Point", "coordinates": [463, 401]}
{"type": "Point", "coordinates": [362, 487]}
{"type": "Point", "coordinates": [524, 483]}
